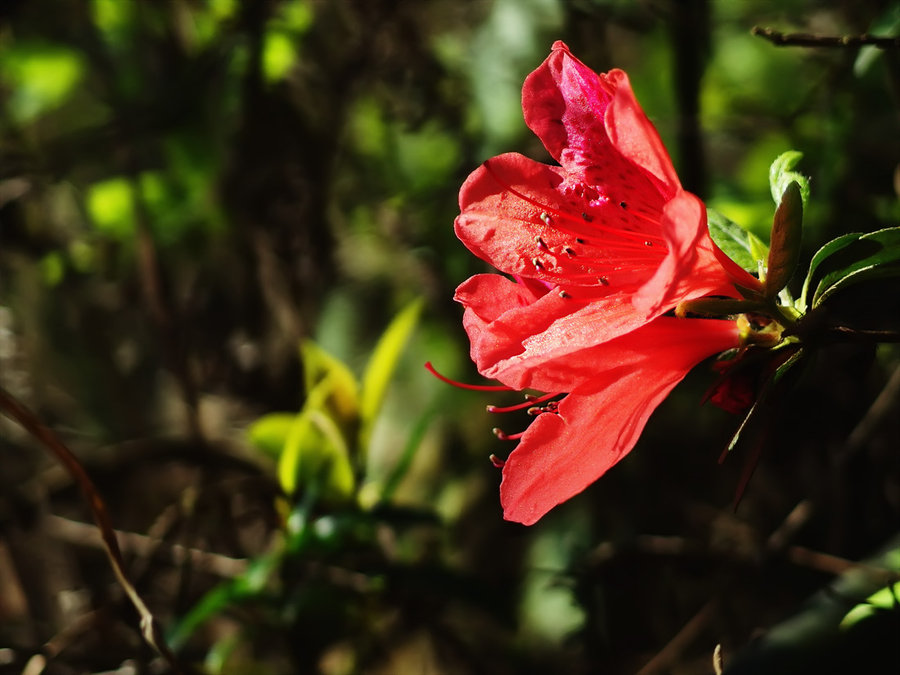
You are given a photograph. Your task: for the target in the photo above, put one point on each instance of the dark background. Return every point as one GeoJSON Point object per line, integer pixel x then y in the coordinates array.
{"type": "Point", "coordinates": [188, 189]}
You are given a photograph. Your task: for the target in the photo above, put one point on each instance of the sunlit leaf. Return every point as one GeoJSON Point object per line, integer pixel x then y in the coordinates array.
{"type": "Point", "coordinates": [741, 246]}
{"type": "Point", "coordinates": [110, 205]}
{"type": "Point", "coordinates": [270, 432]}
{"type": "Point", "coordinates": [888, 598]}
{"type": "Point", "coordinates": [851, 259]}
{"type": "Point", "coordinates": [814, 275]}
{"type": "Point", "coordinates": [781, 175]}
{"type": "Point", "coordinates": [328, 383]}
{"type": "Point", "coordinates": [382, 364]}
{"type": "Point", "coordinates": [40, 78]}
{"type": "Point", "coordinates": [316, 458]}
{"type": "Point", "coordinates": [279, 54]}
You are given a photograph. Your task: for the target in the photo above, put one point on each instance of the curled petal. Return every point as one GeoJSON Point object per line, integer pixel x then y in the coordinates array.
{"type": "Point", "coordinates": [530, 342]}
{"type": "Point", "coordinates": [599, 423]}
{"type": "Point", "coordinates": [691, 268]}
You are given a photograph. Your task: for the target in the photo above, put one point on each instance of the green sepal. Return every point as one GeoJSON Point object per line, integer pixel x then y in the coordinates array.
{"type": "Point", "coordinates": [743, 247]}
{"type": "Point", "coordinates": [781, 176]}
{"type": "Point", "coordinates": [784, 245]}
{"type": "Point", "coordinates": [850, 259]}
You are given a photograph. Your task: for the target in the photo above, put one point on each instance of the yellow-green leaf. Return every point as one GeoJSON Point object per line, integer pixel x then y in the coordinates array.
{"type": "Point", "coordinates": [329, 384]}
{"type": "Point", "coordinates": [270, 432]}
{"type": "Point", "coordinates": [316, 458]}
{"type": "Point", "coordinates": [382, 364]}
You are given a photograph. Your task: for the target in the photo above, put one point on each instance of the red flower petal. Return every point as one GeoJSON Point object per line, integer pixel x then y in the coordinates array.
{"type": "Point", "coordinates": [593, 125]}
{"type": "Point", "coordinates": [598, 424]}
{"type": "Point", "coordinates": [530, 342]}
{"type": "Point", "coordinates": [528, 219]}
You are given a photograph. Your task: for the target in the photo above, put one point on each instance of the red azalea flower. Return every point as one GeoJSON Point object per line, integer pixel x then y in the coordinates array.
{"type": "Point", "coordinates": [600, 248]}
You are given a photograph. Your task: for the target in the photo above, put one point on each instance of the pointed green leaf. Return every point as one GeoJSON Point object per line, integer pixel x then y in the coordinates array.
{"type": "Point", "coordinates": [316, 458]}
{"type": "Point", "coordinates": [382, 364]}
{"type": "Point", "coordinates": [886, 599]}
{"type": "Point", "coordinates": [781, 175]}
{"type": "Point", "coordinates": [871, 256]}
{"type": "Point", "coordinates": [330, 382]}
{"type": "Point", "coordinates": [270, 432]}
{"type": "Point", "coordinates": [784, 246]}
{"type": "Point", "coordinates": [814, 276]}
{"type": "Point", "coordinates": [741, 246]}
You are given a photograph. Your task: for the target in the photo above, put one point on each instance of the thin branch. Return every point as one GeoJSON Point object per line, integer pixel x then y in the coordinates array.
{"type": "Point", "coordinates": [668, 656]}
{"type": "Point", "coordinates": [780, 39]}
{"type": "Point", "coordinates": [84, 534]}
{"type": "Point", "coordinates": [150, 629]}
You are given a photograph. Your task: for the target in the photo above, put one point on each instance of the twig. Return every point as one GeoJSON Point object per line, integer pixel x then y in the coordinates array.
{"type": "Point", "coordinates": [150, 629]}
{"type": "Point", "coordinates": [780, 39]}
{"type": "Point", "coordinates": [84, 534]}
{"type": "Point", "coordinates": [668, 655]}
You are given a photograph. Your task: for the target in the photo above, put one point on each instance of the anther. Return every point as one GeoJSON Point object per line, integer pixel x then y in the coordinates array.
{"type": "Point", "coordinates": [648, 243]}
{"type": "Point", "coordinates": [603, 281]}
{"type": "Point", "coordinates": [540, 242]}
{"type": "Point", "coordinates": [579, 240]}
{"type": "Point", "coordinates": [569, 250]}
{"type": "Point", "coordinates": [497, 462]}
{"type": "Point", "coordinates": [564, 295]}
{"type": "Point", "coordinates": [503, 436]}
{"type": "Point", "coordinates": [537, 264]}
{"type": "Point", "coordinates": [545, 217]}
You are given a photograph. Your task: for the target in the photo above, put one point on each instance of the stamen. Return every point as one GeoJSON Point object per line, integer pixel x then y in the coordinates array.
{"type": "Point", "coordinates": [548, 212]}
{"type": "Point", "coordinates": [497, 462]}
{"type": "Point", "coordinates": [462, 385]}
{"type": "Point", "coordinates": [530, 401]}
{"type": "Point", "coordinates": [503, 436]}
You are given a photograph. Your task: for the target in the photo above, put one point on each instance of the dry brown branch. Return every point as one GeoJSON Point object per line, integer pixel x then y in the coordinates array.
{"type": "Point", "coordinates": [150, 629]}
{"type": "Point", "coordinates": [84, 534]}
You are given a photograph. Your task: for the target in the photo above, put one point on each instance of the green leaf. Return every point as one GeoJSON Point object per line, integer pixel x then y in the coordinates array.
{"type": "Point", "coordinates": [39, 78]}
{"type": "Point", "coordinates": [316, 458]}
{"type": "Point", "coordinates": [852, 259]}
{"type": "Point", "coordinates": [270, 432]}
{"type": "Point", "coordinates": [821, 255]}
{"type": "Point", "coordinates": [781, 175]}
{"type": "Point", "coordinates": [316, 451]}
{"type": "Point", "coordinates": [250, 583]}
{"type": "Point", "coordinates": [886, 599]}
{"type": "Point", "coordinates": [382, 364]}
{"type": "Point", "coordinates": [110, 204]}
{"type": "Point", "coordinates": [741, 246]}
{"type": "Point", "coordinates": [784, 246]}
{"type": "Point", "coordinates": [330, 382]}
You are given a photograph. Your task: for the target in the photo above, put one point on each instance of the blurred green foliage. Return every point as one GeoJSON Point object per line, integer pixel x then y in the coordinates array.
{"type": "Point", "coordinates": [210, 210]}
